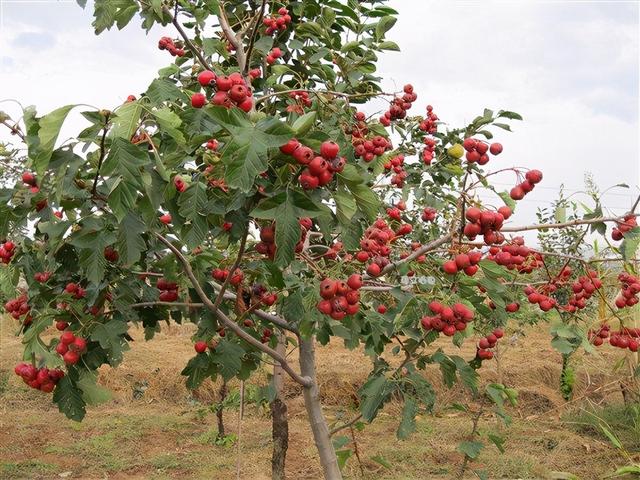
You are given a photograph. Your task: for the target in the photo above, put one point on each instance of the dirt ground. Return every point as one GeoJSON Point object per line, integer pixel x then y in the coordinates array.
{"type": "Point", "coordinates": [154, 428]}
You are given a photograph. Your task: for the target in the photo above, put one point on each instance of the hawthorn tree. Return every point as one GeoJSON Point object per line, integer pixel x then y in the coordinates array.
{"type": "Point", "coordinates": [246, 192]}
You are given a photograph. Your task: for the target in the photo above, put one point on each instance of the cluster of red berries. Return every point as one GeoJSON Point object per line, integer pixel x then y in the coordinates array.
{"type": "Point", "coordinates": [626, 338]}
{"type": "Point", "coordinates": [516, 256]}
{"type": "Point", "coordinates": [166, 43]}
{"type": "Point", "coordinates": [201, 346]}
{"type": "Point", "coordinates": [267, 244]}
{"type": "Point", "coordinates": [29, 179]}
{"type": "Point", "coordinates": [333, 251]}
{"type": "Point", "coordinates": [71, 348]}
{"type": "Point", "coordinates": [369, 149]}
{"type": "Point", "coordinates": [488, 342]}
{"type": "Point", "coordinates": [266, 335]}
{"type": "Point", "coordinates": [544, 301]}
{"type": "Point", "coordinates": [429, 124]}
{"type": "Point", "coordinates": [231, 91]}
{"type": "Point", "coordinates": [260, 292]}
{"type": "Point", "coordinates": [76, 290]}
{"type": "Point", "coordinates": [17, 307]}
{"type": "Point", "coordinates": [596, 337]}
{"type": "Point", "coordinates": [340, 298]}
{"type": "Point", "coordinates": [7, 251]}
{"type": "Point", "coordinates": [429, 214]}
{"type": "Point", "coordinates": [629, 289]}
{"type": "Point", "coordinates": [221, 275]}
{"type": "Point", "coordinates": [320, 168]}
{"type": "Point", "coordinates": [623, 227]}
{"type": "Point", "coordinates": [42, 277]}
{"type": "Point", "coordinates": [375, 246]}
{"type": "Point", "coordinates": [168, 290]}
{"type": "Point", "coordinates": [467, 262]}
{"type": "Point", "coordinates": [532, 177]}
{"type": "Point", "coordinates": [110, 254]}
{"type": "Point", "coordinates": [447, 320]}
{"type": "Point", "coordinates": [399, 173]}
{"type": "Point", "coordinates": [277, 22]}
{"type": "Point", "coordinates": [399, 106]}
{"type": "Point", "coordinates": [477, 150]}
{"type": "Point", "coordinates": [429, 150]}
{"type": "Point", "coordinates": [486, 223]}
{"type": "Point", "coordinates": [179, 183]}
{"type": "Point", "coordinates": [273, 55]}
{"type": "Point", "coordinates": [301, 99]}
{"type": "Point", "coordinates": [583, 288]}
{"type": "Point", "coordinates": [42, 378]}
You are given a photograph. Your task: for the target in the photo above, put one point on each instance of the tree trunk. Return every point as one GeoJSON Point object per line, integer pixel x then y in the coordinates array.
{"type": "Point", "coordinates": [318, 424]}
{"type": "Point", "coordinates": [220, 409]}
{"type": "Point", "coordinates": [280, 422]}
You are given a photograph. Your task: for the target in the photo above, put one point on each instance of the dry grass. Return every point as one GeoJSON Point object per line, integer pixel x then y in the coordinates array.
{"type": "Point", "coordinates": [168, 431]}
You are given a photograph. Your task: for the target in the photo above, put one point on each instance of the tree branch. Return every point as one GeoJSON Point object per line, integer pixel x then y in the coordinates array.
{"type": "Point", "coordinates": [252, 38]}
{"type": "Point", "coordinates": [564, 224]}
{"type": "Point", "coordinates": [228, 323]}
{"type": "Point", "coordinates": [233, 39]}
{"type": "Point", "coordinates": [15, 129]}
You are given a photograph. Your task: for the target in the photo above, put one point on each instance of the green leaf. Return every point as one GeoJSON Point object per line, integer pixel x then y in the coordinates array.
{"type": "Point", "coordinates": [367, 201]}
{"type": "Point", "coordinates": [470, 449]}
{"type": "Point", "coordinates": [193, 200]}
{"type": "Point", "coordinates": [130, 241]}
{"type": "Point", "coordinates": [109, 12]}
{"type": "Point", "coordinates": [384, 25]}
{"type": "Point", "coordinates": [346, 206]}
{"type": "Point", "coordinates": [197, 370]}
{"type": "Point", "coordinates": [92, 393]}
{"type": "Point", "coordinates": [373, 394]}
{"type": "Point", "coordinates": [228, 357]}
{"type": "Point", "coordinates": [408, 420]}
{"type": "Point", "coordinates": [122, 198]}
{"type": "Point", "coordinates": [125, 159]}
{"type": "Point", "coordinates": [497, 440]}
{"type": "Point", "coordinates": [629, 245]}
{"type": "Point", "coordinates": [287, 234]}
{"type": "Point", "coordinates": [163, 90]}
{"type": "Point", "coordinates": [381, 460]}
{"type": "Point", "coordinates": [126, 120]}
{"type": "Point", "coordinates": [562, 345]}
{"type": "Point", "coordinates": [168, 121]}
{"type": "Point", "coordinates": [110, 335]}
{"type": "Point", "coordinates": [50, 126]}
{"type": "Point", "coordinates": [304, 123]}
{"type": "Point", "coordinates": [389, 45]}
{"type": "Point", "coordinates": [508, 201]}
{"type": "Point", "coordinates": [68, 397]}
{"type": "Point", "coordinates": [510, 115]}
{"type": "Point", "coordinates": [93, 263]}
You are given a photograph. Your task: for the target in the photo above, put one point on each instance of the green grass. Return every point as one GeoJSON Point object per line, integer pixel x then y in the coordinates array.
{"type": "Point", "coordinates": [27, 469]}
{"type": "Point", "coordinates": [623, 421]}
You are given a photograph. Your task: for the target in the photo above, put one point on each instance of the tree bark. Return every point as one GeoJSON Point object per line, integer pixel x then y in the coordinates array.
{"type": "Point", "coordinates": [280, 422]}
{"type": "Point", "coordinates": [220, 409]}
{"type": "Point", "coordinates": [318, 423]}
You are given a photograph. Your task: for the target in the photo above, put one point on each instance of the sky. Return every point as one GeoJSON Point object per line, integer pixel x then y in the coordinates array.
{"type": "Point", "coordinates": [571, 69]}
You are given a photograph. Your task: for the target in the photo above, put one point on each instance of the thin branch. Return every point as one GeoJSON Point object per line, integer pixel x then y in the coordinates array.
{"type": "Point", "coordinates": [416, 253]}
{"type": "Point", "coordinates": [103, 151]}
{"type": "Point", "coordinates": [231, 325]}
{"type": "Point", "coordinates": [635, 204]}
{"type": "Point", "coordinates": [233, 39]}
{"type": "Point", "coordinates": [185, 37]}
{"type": "Point", "coordinates": [252, 38]}
{"type": "Point", "coordinates": [167, 304]}
{"type": "Point", "coordinates": [564, 224]}
{"type": "Point", "coordinates": [326, 92]}
{"type": "Point", "coordinates": [15, 130]}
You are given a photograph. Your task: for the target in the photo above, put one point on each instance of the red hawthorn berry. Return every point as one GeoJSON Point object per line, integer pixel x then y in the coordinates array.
{"type": "Point", "coordinates": [329, 149]}
{"type": "Point", "coordinates": [198, 100]}
{"type": "Point", "coordinates": [450, 267]}
{"type": "Point", "coordinates": [382, 309]}
{"type": "Point", "coordinates": [166, 218]}
{"type": "Point", "coordinates": [495, 148]}
{"type": "Point", "coordinates": [205, 78]}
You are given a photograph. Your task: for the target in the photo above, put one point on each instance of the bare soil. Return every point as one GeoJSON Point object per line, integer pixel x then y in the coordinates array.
{"type": "Point", "coordinates": [155, 428]}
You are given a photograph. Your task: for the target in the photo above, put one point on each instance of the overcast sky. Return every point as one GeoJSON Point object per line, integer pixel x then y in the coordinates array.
{"type": "Point", "coordinates": [570, 68]}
